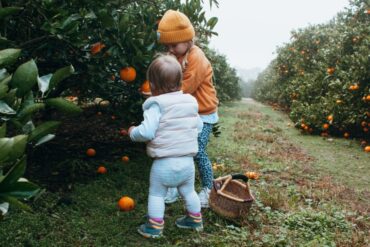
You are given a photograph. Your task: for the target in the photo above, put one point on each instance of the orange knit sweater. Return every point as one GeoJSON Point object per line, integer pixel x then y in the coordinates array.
{"type": "Point", "coordinates": [197, 80]}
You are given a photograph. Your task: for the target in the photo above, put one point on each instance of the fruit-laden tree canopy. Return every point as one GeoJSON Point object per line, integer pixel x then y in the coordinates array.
{"type": "Point", "coordinates": [323, 75]}
{"type": "Point", "coordinates": [98, 38]}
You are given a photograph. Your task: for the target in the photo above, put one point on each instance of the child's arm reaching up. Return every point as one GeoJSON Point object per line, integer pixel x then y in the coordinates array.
{"type": "Point", "coordinates": [148, 127]}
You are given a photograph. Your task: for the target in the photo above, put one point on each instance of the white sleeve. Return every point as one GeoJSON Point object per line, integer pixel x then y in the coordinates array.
{"type": "Point", "coordinates": [148, 127]}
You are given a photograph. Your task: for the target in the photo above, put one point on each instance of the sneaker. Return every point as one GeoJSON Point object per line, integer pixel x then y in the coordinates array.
{"type": "Point", "coordinates": [171, 196]}
{"type": "Point", "coordinates": [190, 222]}
{"type": "Point", "coordinates": [151, 229]}
{"type": "Point", "coordinates": [204, 197]}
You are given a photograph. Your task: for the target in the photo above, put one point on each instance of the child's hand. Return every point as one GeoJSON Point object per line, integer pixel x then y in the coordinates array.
{"type": "Point", "coordinates": [130, 129]}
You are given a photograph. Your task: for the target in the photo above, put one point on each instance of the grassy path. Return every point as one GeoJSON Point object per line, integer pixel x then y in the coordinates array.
{"type": "Point", "coordinates": [312, 192]}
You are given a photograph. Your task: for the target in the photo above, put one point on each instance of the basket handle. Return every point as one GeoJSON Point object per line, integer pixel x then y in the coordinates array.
{"type": "Point", "coordinates": [227, 180]}
{"type": "Point", "coordinates": [240, 176]}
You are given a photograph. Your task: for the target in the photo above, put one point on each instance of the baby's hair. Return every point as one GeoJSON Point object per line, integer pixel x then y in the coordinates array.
{"type": "Point", "coordinates": [164, 74]}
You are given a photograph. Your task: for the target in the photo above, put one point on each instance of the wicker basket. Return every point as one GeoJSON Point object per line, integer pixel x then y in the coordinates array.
{"type": "Point", "coordinates": [229, 197]}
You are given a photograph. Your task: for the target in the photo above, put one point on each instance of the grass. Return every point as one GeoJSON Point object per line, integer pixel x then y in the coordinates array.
{"type": "Point", "coordinates": [312, 192]}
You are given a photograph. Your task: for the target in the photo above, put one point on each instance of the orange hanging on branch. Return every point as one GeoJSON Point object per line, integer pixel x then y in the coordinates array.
{"type": "Point", "coordinates": [96, 48]}
{"type": "Point", "coordinates": [145, 88]}
{"type": "Point", "coordinates": [128, 74]}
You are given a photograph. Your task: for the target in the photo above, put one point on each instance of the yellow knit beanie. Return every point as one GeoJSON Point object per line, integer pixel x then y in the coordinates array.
{"type": "Point", "coordinates": [175, 27]}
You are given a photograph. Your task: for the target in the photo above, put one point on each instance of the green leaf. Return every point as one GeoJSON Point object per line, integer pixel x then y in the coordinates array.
{"type": "Point", "coordinates": [10, 97]}
{"type": "Point", "coordinates": [64, 106]}
{"type": "Point", "coordinates": [20, 190]}
{"type": "Point", "coordinates": [15, 202]}
{"type": "Point", "coordinates": [124, 22]}
{"type": "Point", "coordinates": [19, 147]}
{"type": "Point", "coordinates": [4, 207]}
{"type": "Point", "coordinates": [13, 174]}
{"type": "Point", "coordinates": [4, 12]}
{"type": "Point", "coordinates": [5, 148]}
{"type": "Point", "coordinates": [44, 139]}
{"type": "Point", "coordinates": [25, 77]}
{"type": "Point", "coordinates": [43, 130]}
{"type": "Point", "coordinates": [60, 75]}
{"type": "Point", "coordinates": [3, 130]}
{"type": "Point", "coordinates": [90, 15]}
{"type": "Point", "coordinates": [12, 148]}
{"type": "Point", "coordinates": [106, 19]}
{"type": "Point", "coordinates": [70, 22]}
{"type": "Point", "coordinates": [3, 74]}
{"type": "Point", "coordinates": [212, 22]}
{"type": "Point", "coordinates": [30, 110]}
{"type": "Point", "coordinates": [9, 56]}
{"type": "Point", "coordinates": [5, 109]}
{"type": "Point", "coordinates": [28, 127]}
{"type": "Point", "coordinates": [4, 86]}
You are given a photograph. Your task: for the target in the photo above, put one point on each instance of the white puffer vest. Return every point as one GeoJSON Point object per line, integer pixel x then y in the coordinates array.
{"type": "Point", "coordinates": [177, 134]}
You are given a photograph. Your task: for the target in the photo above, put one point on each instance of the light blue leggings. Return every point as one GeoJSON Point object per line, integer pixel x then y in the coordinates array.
{"type": "Point", "coordinates": [172, 172]}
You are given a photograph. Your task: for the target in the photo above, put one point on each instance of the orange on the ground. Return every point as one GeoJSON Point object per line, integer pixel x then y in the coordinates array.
{"type": "Point", "coordinates": [126, 203]}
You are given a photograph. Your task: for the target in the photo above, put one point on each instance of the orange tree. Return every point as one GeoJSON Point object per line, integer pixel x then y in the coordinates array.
{"type": "Point", "coordinates": [100, 39]}
{"type": "Point", "coordinates": [322, 75]}
{"type": "Point", "coordinates": [23, 94]}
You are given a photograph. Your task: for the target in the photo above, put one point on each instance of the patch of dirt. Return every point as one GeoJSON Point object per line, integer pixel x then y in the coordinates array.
{"type": "Point", "coordinates": [250, 115]}
{"type": "Point", "coordinates": [324, 188]}
{"type": "Point", "coordinates": [63, 160]}
{"type": "Point", "coordinates": [246, 165]}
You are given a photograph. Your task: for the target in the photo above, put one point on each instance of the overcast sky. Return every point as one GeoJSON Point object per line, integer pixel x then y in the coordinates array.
{"type": "Point", "coordinates": [250, 30]}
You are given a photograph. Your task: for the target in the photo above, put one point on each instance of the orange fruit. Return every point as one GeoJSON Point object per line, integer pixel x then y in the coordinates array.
{"type": "Point", "coordinates": [101, 170]}
{"type": "Point", "coordinates": [96, 48]}
{"type": "Point", "coordinates": [366, 130]}
{"type": "Point", "coordinates": [113, 117]}
{"type": "Point", "coordinates": [123, 132]}
{"type": "Point", "coordinates": [354, 87]}
{"type": "Point", "coordinates": [127, 74]}
{"type": "Point", "coordinates": [368, 97]}
{"type": "Point", "coordinates": [363, 124]}
{"type": "Point", "coordinates": [346, 135]}
{"type": "Point", "coordinates": [125, 159]}
{"type": "Point", "coordinates": [252, 175]}
{"type": "Point", "coordinates": [367, 149]}
{"type": "Point", "coordinates": [330, 70]}
{"type": "Point", "coordinates": [126, 204]}
{"type": "Point", "coordinates": [330, 118]}
{"type": "Point", "coordinates": [90, 152]}
{"type": "Point", "coordinates": [325, 126]}
{"type": "Point", "coordinates": [145, 87]}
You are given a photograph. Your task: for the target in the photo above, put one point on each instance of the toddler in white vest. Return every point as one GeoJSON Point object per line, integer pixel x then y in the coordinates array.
{"type": "Point", "coordinates": [170, 127]}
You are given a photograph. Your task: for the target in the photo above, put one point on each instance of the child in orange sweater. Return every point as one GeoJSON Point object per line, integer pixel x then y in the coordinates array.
{"type": "Point", "coordinates": [176, 32]}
